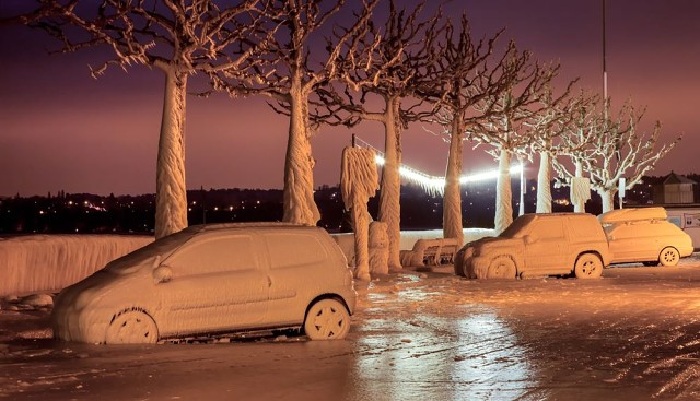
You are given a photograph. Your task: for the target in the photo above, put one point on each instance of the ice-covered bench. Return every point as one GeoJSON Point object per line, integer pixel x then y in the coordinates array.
{"type": "Point", "coordinates": [431, 252]}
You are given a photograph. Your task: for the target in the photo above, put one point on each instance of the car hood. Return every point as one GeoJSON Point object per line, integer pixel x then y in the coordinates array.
{"type": "Point", "coordinates": [103, 282]}
{"type": "Point", "coordinates": [489, 244]}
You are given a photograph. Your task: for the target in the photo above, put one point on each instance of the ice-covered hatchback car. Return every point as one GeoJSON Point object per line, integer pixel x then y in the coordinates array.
{"type": "Point", "coordinates": [537, 245]}
{"type": "Point", "coordinates": [213, 279]}
{"type": "Point", "coordinates": [644, 235]}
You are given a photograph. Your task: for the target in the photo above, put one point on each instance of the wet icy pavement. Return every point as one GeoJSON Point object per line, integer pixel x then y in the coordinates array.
{"type": "Point", "coordinates": [417, 336]}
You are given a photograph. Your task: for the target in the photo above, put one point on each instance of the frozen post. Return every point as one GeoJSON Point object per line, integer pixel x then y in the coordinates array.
{"type": "Point", "coordinates": [523, 185]}
{"type": "Point", "coordinates": [580, 193]}
{"type": "Point", "coordinates": [580, 189]}
{"type": "Point", "coordinates": [378, 248]}
{"type": "Point", "coordinates": [358, 183]}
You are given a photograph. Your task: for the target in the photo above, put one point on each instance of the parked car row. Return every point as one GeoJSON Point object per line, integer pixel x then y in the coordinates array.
{"type": "Point", "coordinates": [577, 244]}
{"type": "Point", "coordinates": [227, 278]}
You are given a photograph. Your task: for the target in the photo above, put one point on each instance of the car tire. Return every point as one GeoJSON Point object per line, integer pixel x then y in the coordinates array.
{"type": "Point", "coordinates": [327, 319]}
{"type": "Point", "coordinates": [669, 256]}
{"type": "Point", "coordinates": [588, 266]}
{"type": "Point", "coordinates": [132, 327]}
{"type": "Point", "coordinates": [502, 267]}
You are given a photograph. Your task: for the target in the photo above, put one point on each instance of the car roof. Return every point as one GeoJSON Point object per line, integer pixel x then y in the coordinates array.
{"type": "Point", "coordinates": [255, 226]}
{"type": "Point", "coordinates": [536, 216]}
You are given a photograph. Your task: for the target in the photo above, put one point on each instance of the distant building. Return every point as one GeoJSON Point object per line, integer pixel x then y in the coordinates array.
{"type": "Point", "coordinates": [675, 189]}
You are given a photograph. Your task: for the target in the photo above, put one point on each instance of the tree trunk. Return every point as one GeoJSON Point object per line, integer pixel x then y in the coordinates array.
{"type": "Point", "coordinates": [580, 206]}
{"type": "Point", "coordinates": [544, 190]}
{"type": "Point", "coordinates": [608, 198]}
{"type": "Point", "coordinates": [389, 210]}
{"type": "Point", "coordinates": [298, 195]}
{"type": "Point", "coordinates": [504, 194]}
{"type": "Point", "coordinates": [171, 191]}
{"type": "Point", "coordinates": [452, 201]}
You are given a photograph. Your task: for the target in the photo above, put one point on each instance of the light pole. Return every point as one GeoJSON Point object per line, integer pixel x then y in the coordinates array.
{"type": "Point", "coordinates": [605, 67]}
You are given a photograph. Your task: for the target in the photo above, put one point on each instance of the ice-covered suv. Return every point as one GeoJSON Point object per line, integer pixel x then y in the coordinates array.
{"type": "Point", "coordinates": [214, 280]}
{"type": "Point", "coordinates": [536, 245]}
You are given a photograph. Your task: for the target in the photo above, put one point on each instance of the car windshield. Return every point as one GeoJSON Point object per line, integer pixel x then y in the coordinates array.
{"type": "Point", "coordinates": [161, 247]}
{"type": "Point", "coordinates": [514, 230]}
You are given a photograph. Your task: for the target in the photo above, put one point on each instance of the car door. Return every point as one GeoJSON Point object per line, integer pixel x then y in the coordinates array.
{"type": "Point", "coordinates": [299, 271]}
{"type": "Point", "coordinates": [633, 242]}
{"type": "Point", "coordinates": [218, 283]}
{"type": "Point", "coordinates": [546, 246]}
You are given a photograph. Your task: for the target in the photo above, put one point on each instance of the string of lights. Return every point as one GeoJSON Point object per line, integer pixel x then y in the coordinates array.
{"type": "Point", "coordinates": [429, 183]}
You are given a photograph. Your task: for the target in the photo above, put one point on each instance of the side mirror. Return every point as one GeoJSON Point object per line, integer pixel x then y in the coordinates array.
{"type": "Point", "coordinates": [162, 274]}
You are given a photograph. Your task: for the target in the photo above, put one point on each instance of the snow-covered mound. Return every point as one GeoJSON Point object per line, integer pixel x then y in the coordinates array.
{"type": "Point", "coordinates": [47, 263]}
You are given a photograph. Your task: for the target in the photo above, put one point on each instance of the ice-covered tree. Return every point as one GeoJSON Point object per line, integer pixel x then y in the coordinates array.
{"type": "Point", "coordinates": [462, 76]}
{"type": "Point", "coordinates": [546, 126]}
{"type": "Point", "coordinates": [377, 82]}
{"type": "Point", "coordinates": [576, 141]}
{"type": "Point", "coordinates": [619, 148]}
{"type": "Point", "coordinates": [506, 132]}
{"type": "Point", "coordinates": [292, 68]}
{"type": "Point", "coordinates": [177, 38]}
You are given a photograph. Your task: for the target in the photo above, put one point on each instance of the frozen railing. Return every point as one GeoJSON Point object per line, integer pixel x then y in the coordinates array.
{"type": "Point", "coordinates": [48, 263]}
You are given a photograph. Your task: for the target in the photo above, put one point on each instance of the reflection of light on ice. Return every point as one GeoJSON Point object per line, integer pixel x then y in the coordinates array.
{"type": "Point", "coordinates": [409, 360]}
{"type": "Point", "coordinates": [492, 364]}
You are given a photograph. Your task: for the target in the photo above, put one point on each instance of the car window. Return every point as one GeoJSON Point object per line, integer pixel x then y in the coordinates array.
{"type": "Point", "coordinates": [162, 247]}
{"type": "Point", "coordinates": [516, 228]}
{"type": "Point", "coordinates": [548, 228]}
{"type": "Point", "coordinates": [585, 229]}
{"type": "Point", "coordinates": [639, 229]}
{"type": "Point", "coordinates": [290, 249]}
{"type": "Point", "coordinates": [215, 254]}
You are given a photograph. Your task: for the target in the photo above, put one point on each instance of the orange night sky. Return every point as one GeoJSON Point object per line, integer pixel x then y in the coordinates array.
{"type": "Point", "coordinates": [62, 130]}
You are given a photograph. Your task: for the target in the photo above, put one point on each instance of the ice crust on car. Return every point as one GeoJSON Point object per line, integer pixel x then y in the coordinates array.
{"type": "Point", "coordinates": [212, 279]}
{"type": "Point", "coordinates": [644, 235]}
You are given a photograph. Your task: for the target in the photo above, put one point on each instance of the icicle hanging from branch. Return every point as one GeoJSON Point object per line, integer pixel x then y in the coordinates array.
{"type": "Point", "coordinates": [358, 183]}
{"type": "Point", "coordinates": [358, 173]}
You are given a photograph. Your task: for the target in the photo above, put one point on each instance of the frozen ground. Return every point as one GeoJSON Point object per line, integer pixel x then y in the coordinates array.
{"type": "Point", "coordinates": [632, 335]}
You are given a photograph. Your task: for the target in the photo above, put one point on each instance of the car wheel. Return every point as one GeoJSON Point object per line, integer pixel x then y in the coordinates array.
{"type": "Point", "coordinates": [502, 267]}
{"type": "Point", "coordinates": [651, 264]}
{"type": "Point", "coordinates": [132, 327]}
{"type": "Point", "coordinates": [327, 319]}
{"type": "Point", "coordinates": [669, 256]}
{"type": "Point", "coordinates": [588, 266]}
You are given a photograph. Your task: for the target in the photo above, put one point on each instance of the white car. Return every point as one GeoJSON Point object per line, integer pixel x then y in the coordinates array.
{"type": "Point", "coordinates": [211, 280]}
{"type": "Point", "coordinates": [644, 235]}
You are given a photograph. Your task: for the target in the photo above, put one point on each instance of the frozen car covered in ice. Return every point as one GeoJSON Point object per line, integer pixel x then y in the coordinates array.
{"type": "Point", "coordinates": [215, 279]}
{"type": "Point", "coordinates": [644, 235]}
{"type": "Point", "coordinates": [536, 245]}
